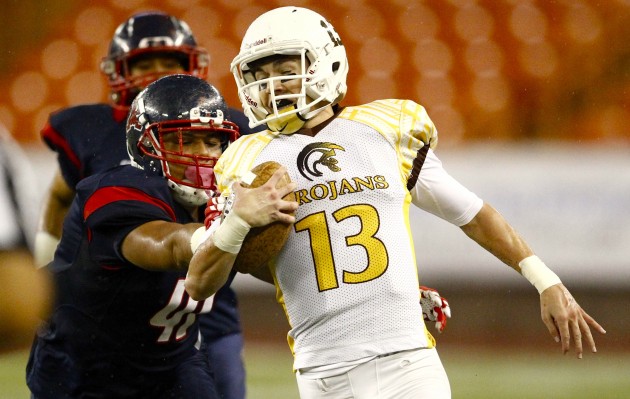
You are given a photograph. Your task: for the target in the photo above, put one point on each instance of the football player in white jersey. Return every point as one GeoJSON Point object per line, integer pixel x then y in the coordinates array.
{"type": "Point", "coordinates": [26, 292]}
{"type": "Point", "coordinates": [347, 276]}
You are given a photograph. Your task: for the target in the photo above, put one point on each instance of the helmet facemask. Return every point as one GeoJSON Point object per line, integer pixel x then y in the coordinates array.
{"type": "Point", "coordinates": [124, 86]}
{"type": "Point", "coordinates": [149, 34]}
{"type": "Point", "coordinates": [190, 175]}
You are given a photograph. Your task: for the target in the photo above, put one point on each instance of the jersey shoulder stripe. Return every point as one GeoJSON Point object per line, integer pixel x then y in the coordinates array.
{"type": "Point", "coordinates": [398, 120]}
{"type": "Point", "coordinates": [403, 123]}
{"type": "Point", "coordinates": [239, 157]}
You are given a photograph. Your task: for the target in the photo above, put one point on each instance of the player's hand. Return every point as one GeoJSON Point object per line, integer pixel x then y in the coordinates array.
{"type": "Point", "coordinates": [214, 209]}
{"type": "Point", "coordinates": [263, 205]}
{"type": "Point", "coordinates": [434, 307]}
{"type": "Point", "coordinates": [566, 320]}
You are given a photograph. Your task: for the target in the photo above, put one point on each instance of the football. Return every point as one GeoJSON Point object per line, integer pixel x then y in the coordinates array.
{"type": "Point", "coordinates": [263, 243]}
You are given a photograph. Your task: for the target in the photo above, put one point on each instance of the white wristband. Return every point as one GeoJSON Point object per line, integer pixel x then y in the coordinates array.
{"type": "Point", "coordinates": [45, 247]}
{"type": "Point", "coordinates": [230, 234]}
{"type": "Point", "coordinates": [201, 235]}
{"type": "Point", "coordinates": [534, 270]}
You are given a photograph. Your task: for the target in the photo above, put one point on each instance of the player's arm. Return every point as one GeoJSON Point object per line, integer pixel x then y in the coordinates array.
{"type": "Point", "coordinates": [562, 315]}
{"type": "Point", "coordinates": [490, 230]}
{"type": "Point", "coordinates": [252, 207]}
{"type": "Point", "coordinates": [25, 299]}
{"type": "Point", "coordinates": [55, 208]}
{"type": "Point", "coordinates": [160, 245]}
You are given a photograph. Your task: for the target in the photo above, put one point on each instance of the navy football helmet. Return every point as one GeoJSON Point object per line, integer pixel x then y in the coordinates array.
{"type": "Point", "coordinates": [178, 104]}
{"type": "Point", "coordinates": [143, 35]}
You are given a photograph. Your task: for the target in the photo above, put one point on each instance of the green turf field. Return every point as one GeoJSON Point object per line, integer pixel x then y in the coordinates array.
{"type": "Point", "coordinates": [473, 374]}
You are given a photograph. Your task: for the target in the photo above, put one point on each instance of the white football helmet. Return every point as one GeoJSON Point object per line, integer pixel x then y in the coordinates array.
{"type": "Point", "coordinates": [291, 31]}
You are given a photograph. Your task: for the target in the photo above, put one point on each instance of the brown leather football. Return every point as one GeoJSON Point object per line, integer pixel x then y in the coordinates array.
{"type": "Point", "coordinates": [263, 243]}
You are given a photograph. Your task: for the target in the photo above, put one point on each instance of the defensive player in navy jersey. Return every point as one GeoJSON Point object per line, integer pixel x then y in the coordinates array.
{"type": "Point", "coordinates": [91, 138]}
{"type": "Point", "coordinates": [122, 324]}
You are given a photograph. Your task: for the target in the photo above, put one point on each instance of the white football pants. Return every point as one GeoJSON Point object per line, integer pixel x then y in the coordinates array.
{"type": "Point", "coordinates": [414, 374]}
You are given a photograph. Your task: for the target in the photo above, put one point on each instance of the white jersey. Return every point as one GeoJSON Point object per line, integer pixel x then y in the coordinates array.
{"type": "Point", "coordinates": [17, 196]}
{"type": "Point", "coordinates": [347, 276]}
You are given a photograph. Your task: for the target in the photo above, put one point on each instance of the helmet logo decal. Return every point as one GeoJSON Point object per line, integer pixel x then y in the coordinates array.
{"type": "Point", "coordinates": [326, 151]}
{"type": "Point", "coordinates": [250, 101]}
{"type": "Point", "coordinates": [134, 120]}
{"type": "Point", "coordinates": [157, 41]}
{"type": "Point", "coordinates": [334, 37]}
{"type": "Point", "coordinates": [257, 43]}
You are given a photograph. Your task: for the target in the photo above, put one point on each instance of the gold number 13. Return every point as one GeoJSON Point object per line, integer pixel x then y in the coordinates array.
{"type": "Point", "coordinates": [377, 258]}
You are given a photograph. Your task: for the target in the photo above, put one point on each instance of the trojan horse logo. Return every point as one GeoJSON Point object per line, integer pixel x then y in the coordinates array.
{"type": "Point", "coordinates": [315, 155]}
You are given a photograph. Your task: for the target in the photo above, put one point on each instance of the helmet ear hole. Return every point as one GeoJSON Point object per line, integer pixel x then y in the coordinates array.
{"type": "Point", "coordinates": [145, 143]}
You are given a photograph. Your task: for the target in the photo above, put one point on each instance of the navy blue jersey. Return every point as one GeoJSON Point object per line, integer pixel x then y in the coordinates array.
{"type": "Point", "coordinates": [90, 139]}
{"type": "Point", "coordinates": [116, 330]}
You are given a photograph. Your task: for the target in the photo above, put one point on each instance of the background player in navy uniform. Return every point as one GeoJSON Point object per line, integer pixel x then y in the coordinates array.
{"type": "Point", "coordinates": [122, 325]}
{"type": "Point", "coordinates": [91, 138]}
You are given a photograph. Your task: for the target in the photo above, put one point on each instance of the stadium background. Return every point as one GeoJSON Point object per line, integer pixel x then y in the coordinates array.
{"type": "Point", "coordinates": [532, 101]}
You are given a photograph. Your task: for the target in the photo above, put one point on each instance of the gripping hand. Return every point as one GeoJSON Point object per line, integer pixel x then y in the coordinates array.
{"type": "Point", "coordinates": [213, 214]}
{"type": "Point", "coordinates": [434, 307]}
{"type": "Point", "coordinates": [214, 209]}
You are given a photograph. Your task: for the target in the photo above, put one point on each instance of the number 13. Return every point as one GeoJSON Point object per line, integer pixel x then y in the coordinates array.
{"type": "Point", "coordinates": [321, 248]}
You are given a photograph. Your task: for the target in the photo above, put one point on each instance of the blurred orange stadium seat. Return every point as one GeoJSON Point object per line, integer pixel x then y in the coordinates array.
{"type": "Point", "coordinates": [505, 70]}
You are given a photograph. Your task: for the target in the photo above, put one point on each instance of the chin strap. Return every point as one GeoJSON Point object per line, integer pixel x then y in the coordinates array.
{"type": "Point", "coordinates": [287, 124]}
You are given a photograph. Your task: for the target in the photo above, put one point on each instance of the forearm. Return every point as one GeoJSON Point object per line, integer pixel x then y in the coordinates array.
{"type": "Point", "coordinates": [56, 206]}
{"type": "Point", "coordinates": [214, 252]}
{"type": "Point", "coordinates": [54, 211]}
{"type": "Point", "coordinates": [160, 245]}
{"type": "Point", "coordinates": [490, 230]}
{"type": "Point", "coordinates": [208, 271]}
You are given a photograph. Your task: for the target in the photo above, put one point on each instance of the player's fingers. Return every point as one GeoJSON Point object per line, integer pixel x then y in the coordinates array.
{"type": "Point", "coordinates": [441, 318]}
{"type": "Point", "coordinates": [577, 337]}
{"type": "Point", "coordinates": [277, 176]}
{"type": "Point", "coordinates": [587, 336]}
{"type": "Point", "coordinates": [446, 309]}
{"type": "Point", "coordinates": [565, 335]}
{"type": "Point", "coordinates": [236, 188]}
{"type": "Point", "coordinates": [284, 217]}
{"type": "Point", "coordinates": [551, 327]}
{"type": "Point", "coordinates": [289, 188]}
{"type": "Point", "coordinates": [591, 321]}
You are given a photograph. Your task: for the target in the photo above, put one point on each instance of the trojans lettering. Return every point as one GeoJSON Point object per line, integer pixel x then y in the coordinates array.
{"type": "Point", "coordinates": [331, 190]}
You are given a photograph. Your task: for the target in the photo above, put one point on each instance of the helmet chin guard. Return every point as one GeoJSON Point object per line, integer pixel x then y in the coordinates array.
{"type": "Point", "coordinates": [190, 196]}
{"type": "Point", "coordinates": [288, 121]}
